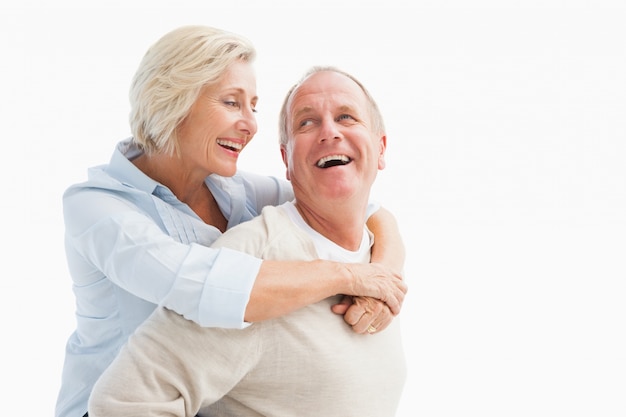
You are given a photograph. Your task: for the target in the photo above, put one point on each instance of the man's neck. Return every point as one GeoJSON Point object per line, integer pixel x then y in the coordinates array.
{"type": "Point", "coordinates": [342, 225]}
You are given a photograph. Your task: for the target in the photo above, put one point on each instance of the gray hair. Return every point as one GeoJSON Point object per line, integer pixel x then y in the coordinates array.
{"type": "Point", "coordinates": [170, 77]}
{"type": "Point", "coordinates": [284, 130]}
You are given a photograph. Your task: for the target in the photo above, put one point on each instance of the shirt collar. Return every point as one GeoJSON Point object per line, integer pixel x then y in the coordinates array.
{"type": "Point", "coordinates": [125, 171]}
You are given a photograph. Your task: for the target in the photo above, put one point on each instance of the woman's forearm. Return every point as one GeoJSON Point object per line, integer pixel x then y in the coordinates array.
{"type": "Point", "coordinates": [284, 286]}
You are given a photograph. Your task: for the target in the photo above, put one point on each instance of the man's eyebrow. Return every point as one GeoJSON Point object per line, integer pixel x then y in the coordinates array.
{"type": "Point", "coordinates": [309, 109]}
{"type": "Point", "coordinates": [303, 110]}
{"type": "Point", "coordinates": [347, 108]}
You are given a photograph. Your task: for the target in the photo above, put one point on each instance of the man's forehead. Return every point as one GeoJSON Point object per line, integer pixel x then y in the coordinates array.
{"type": "Point", "coordinates": [309, 98]}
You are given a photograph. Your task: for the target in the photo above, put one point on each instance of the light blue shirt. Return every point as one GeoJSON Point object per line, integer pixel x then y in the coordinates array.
{"type": "Point", "coordinates": [132, 245]}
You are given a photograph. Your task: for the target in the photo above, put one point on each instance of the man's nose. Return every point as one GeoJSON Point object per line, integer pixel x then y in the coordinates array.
{"type": "Point", "coordinates": [329, 130]}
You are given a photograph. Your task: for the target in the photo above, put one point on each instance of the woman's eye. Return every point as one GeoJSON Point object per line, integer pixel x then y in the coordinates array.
{"type": "Point", "coordinates": [236, 104]}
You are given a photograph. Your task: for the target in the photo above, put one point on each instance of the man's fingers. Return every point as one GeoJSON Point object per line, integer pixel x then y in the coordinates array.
{"type": "Point", "coordinates": [368, 315]}
{"type": "Point", "coordinates": [381, 321]}
{"type": "Point", "coordinates": [353, 314]}
{"type": "Point", "coordinates": [342, 306]}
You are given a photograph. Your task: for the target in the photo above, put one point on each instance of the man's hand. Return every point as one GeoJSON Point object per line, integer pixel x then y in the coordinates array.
{"type": "Point", "coordinates": [364, 314]}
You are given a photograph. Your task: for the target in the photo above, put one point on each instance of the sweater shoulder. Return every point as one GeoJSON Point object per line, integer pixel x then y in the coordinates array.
{"type": "Point", "coordinates": [271, 235]}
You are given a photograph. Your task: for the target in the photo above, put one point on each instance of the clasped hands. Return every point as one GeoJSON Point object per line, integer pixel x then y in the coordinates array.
{"type": "Point", "coordinates": [373, 314]}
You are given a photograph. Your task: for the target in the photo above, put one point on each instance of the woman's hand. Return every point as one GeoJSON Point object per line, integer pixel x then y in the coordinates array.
{"type": "Point", "coordinates": [378, 281]}
{"type": "Point", "coordinates": [372, 313]}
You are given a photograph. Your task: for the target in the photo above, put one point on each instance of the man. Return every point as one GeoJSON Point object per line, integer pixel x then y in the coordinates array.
{"type": "Point", "coordinates": [305, 363]}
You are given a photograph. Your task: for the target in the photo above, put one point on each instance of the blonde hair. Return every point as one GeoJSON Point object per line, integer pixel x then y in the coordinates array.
{"type": "Point", "coordinates": [170, 77]}
{"type": "Point", "coordinates": [378, 124]}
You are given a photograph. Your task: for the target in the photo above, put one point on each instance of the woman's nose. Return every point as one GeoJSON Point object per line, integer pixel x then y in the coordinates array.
{"type": "Point", "coordinates": [248, 121]}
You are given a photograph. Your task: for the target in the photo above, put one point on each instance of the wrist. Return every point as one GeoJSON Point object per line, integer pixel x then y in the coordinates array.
{"type": "Point", "coordinates": [347, 278]}
{"type": "Point", "coordinates": [337, 277]}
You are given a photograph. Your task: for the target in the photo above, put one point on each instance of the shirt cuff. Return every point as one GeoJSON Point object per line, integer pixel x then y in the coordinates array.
{"type": "Point", "coordinates": [227, 289]}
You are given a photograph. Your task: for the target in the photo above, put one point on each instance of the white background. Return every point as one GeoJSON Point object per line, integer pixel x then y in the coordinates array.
{"type": "Point", "coordinates": [506, 170]}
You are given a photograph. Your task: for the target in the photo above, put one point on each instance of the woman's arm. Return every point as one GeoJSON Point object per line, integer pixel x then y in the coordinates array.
{"type": "Point", "coordinates": [285, 286]}
{"type": "Point", "coordinates": [368, 314]}
{"type": "Point", "coordinates": [388, 245]}
{"type": "Point", "coordinates": [282, 287]}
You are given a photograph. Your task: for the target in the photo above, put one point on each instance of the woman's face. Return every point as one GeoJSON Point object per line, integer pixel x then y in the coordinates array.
{"type": "Point", "coordinates": [220, 123]}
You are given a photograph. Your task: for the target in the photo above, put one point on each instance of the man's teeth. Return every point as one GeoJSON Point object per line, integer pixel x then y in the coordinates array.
{"type": "Point", "coordinates": [332, 160]}
{"type": "Point", "coordinates": [230, 144]}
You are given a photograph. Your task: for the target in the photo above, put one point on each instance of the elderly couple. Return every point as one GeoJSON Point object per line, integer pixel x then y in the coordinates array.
{"type": "Point", "coordinates": [204, 290]}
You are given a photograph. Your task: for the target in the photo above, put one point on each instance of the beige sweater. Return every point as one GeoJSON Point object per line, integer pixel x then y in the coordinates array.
{"type": "Point", "coordinates": [307, 363]}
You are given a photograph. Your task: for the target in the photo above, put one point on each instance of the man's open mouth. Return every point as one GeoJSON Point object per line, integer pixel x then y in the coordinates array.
{"type": "Point", "coordinates": [333, 160]}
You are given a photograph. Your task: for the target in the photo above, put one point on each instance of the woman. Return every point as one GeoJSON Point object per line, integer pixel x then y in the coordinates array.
{"type": "Point", "coordinates": [137, 231]}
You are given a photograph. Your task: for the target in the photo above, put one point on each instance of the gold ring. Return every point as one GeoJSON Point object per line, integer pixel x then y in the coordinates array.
{"type": "Point", "coordinates": [371, 329]}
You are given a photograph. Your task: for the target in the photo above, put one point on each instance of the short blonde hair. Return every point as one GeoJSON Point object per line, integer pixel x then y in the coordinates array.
{"type": "Point", "coordinates": [170, 77]}
{"type": "Point", "coordinates": [378, 124]}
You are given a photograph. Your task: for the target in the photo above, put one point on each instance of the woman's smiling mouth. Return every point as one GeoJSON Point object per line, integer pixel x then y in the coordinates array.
{"type": "Point", "coordinates": [230, 145]}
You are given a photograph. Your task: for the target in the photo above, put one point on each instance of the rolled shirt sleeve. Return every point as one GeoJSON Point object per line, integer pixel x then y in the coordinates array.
{"type": "Point", "coordinates": [226, 289]}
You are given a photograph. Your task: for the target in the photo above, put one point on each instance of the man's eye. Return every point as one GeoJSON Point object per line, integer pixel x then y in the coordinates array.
{"type": "Point", "coordinates": [345, 117]}
{"type": "Point", "coordinates": [305, 123]}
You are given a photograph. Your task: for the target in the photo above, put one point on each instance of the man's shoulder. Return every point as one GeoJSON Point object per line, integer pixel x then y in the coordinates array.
{"type": "Point", "coordinates": [272, 220]}
{"type": "Point", "coordinates": [271, 235]}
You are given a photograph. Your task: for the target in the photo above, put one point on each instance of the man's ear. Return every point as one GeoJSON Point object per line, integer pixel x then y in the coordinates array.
{"type": "Point", "coordinates": [381, 154]}
{"type": "Point", "coordinates": [283, 154]}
